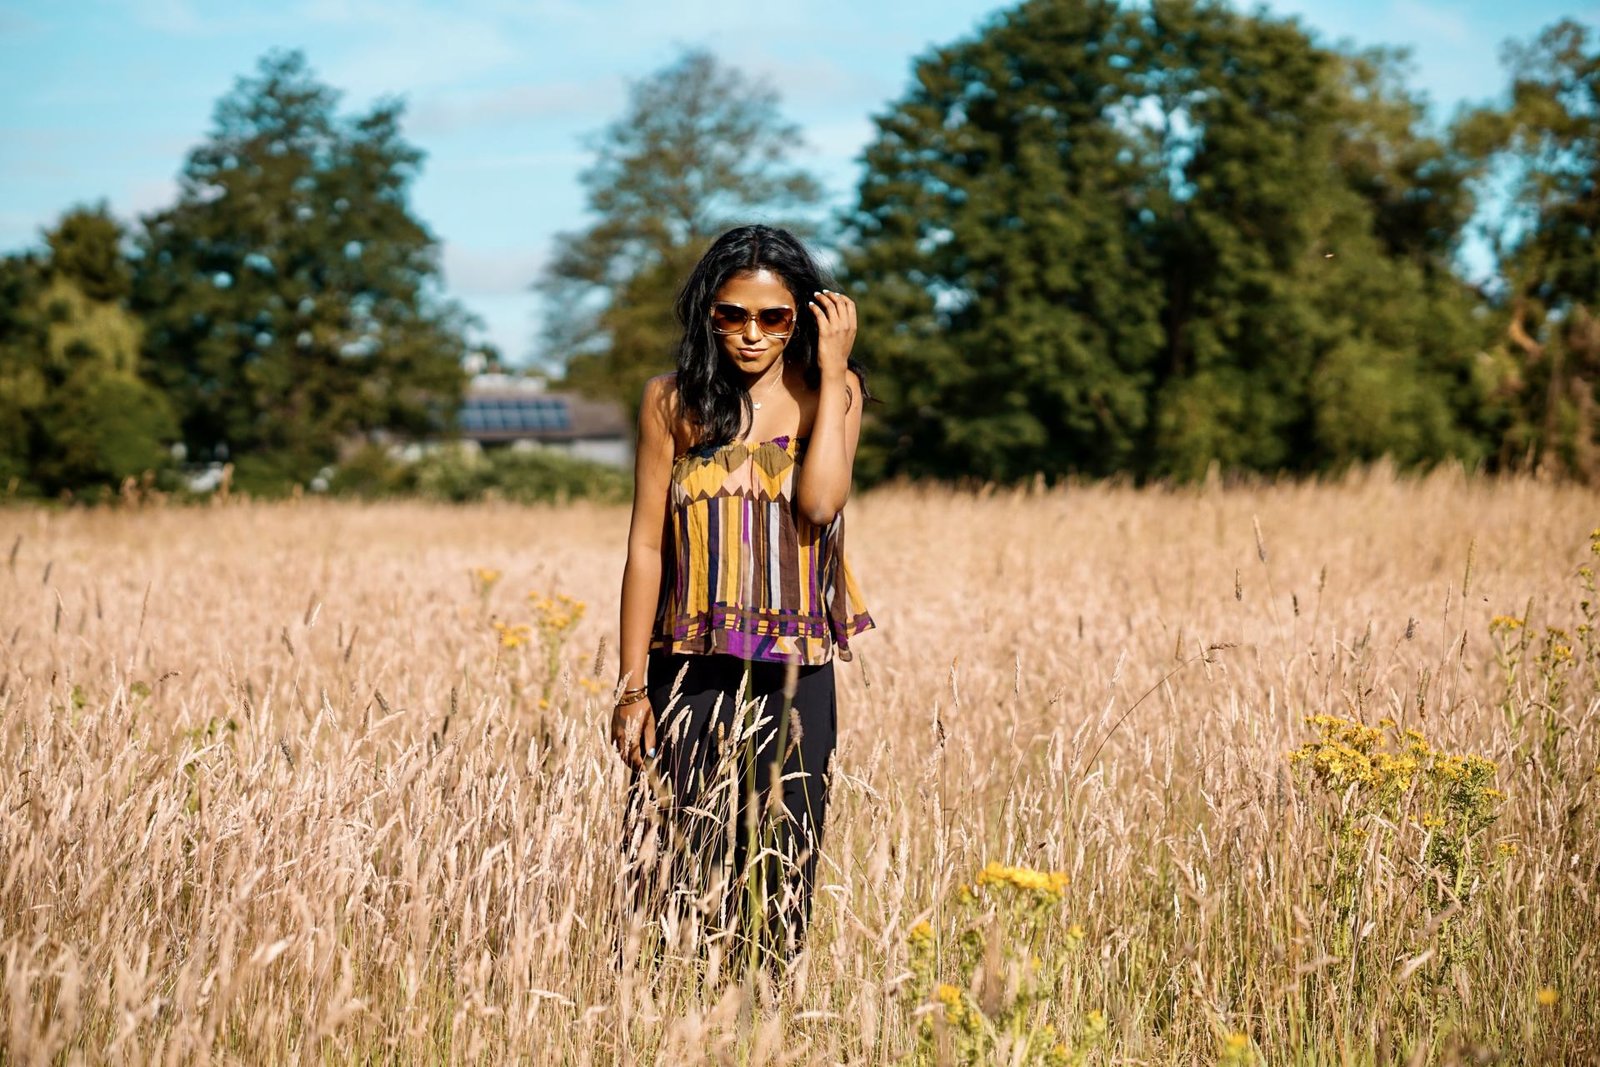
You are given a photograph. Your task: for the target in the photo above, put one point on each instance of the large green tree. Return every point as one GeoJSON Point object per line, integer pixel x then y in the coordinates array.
{"type": "Point", "coordinates": [22, 382]}
{"type": "Point", "coordinates": [699, 147]}
{"type": "Point", "coordinates": [1541, 152]}
{"type": "Point", "coordinates": [74, 410]}
{"type": "Point", "coordinates": [1096, 238]}
{"type": "Point", "coordinates": [291, 295]}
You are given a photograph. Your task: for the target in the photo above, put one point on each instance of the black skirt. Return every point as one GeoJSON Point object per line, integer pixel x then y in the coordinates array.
{"type": "Point", "coordinates": [705, 838]}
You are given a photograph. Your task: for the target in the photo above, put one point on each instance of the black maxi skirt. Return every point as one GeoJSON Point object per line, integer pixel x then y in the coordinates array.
{"type": "Point", "coordinates": [711, 844]}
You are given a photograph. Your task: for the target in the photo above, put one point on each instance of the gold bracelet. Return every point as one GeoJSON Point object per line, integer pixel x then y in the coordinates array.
{"type": "Point", "coordinates": [627, 700]}
{"type": "Point", "coordinates": [639, 692]}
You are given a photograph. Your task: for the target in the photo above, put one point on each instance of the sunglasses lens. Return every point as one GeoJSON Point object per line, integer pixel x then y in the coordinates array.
{"type": "Point", "coordinates": [776, 320]}
{"type": "Point", "coordinates": [728, 318]}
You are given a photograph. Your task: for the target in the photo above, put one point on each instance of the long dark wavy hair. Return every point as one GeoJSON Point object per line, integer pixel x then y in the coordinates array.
{"type": "Point", "coordinates": [711, 393]}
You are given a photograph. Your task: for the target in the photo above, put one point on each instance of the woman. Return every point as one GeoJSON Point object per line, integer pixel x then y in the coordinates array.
{"type": "Point", "coordinates": [736, 598]}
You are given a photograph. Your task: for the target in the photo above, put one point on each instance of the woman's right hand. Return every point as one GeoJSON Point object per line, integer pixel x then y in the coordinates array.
{"type": "Point", "coordinates": [633, 732]}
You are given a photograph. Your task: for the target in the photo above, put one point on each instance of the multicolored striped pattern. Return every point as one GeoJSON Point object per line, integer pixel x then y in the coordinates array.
{"type": "Point", "coordinates": [747, 576]}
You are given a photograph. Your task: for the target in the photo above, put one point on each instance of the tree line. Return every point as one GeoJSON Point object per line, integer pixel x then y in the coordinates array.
{"type": "Point", "coordinates": [1088, 239]}
{"type": "Point", "coordinates": [1094, 239]}
{"type": "Point", "coordinates": [287, 301]}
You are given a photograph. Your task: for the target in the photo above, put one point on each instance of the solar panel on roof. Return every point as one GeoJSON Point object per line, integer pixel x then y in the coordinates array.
{"type": "Point", "coordinates": [515, 414]}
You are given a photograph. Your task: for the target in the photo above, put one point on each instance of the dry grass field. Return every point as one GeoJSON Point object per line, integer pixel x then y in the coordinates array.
{"type": "Point", "coordinates": [275, 787]}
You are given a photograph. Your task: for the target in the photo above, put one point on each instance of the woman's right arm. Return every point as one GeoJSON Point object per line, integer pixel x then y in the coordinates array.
{"type": "Point", "coordinates": [633, 725]}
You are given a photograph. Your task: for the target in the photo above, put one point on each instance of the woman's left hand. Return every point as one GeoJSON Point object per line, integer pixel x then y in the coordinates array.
{"type": "Point", "coordinates": [836, 330]}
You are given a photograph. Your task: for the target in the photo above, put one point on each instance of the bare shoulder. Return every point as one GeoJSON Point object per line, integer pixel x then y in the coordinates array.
{"type": "Point", "coordinates": [661, 396]}
{"type": "Point", "coordinates": [661, 386]}
{"type": "Point", "coordinates": [661, 403]}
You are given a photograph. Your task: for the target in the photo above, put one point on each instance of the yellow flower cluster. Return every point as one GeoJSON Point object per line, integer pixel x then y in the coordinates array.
{"type": "Point", "coordinates": [953, 1001]}
{"type": "Point", "coordinates": [1353, 754]}
{"type": "Point", "coordinates": [1506, 623]}
{"type": "Point", "coordinates": [485, 577]}
{"type": "Point", "coordinates": [1236, 1050]}
{"type": "Point", "coordinates": [1560, 651]}
{"type": "Point", "coordinates": [556, 614]}
{"type": "Point", "coordinates": [1050, 884]}
{"type": "Point", "coordinates": [921, 934]}
{"type": "Point", "coordinates": [512, 635]}
{"type": "Point", "coordinates": [1349, 753]}
{"type": "Point", "coordinates": [1388, 773]}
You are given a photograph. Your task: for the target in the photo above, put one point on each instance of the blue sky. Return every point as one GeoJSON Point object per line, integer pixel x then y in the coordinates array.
{"type": "Point", "coordinates": [103, 98]}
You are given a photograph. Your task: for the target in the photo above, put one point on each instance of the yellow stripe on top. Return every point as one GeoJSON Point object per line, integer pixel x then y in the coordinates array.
{"type": "Point", "coordinates": [750, 570]}
{"type": "Point", "coordinates": [698, 559]}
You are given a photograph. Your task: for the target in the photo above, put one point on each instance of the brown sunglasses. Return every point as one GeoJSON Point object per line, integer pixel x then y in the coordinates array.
{"type": "Point", "coordinates": [729, 318]}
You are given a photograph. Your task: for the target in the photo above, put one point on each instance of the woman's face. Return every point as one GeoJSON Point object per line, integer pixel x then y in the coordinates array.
{"type": "Point", "coordinates": [750, 350]}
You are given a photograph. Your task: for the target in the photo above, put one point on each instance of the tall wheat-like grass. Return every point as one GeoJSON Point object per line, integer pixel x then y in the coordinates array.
{"type": "Point", "coordinates": [322, 782]}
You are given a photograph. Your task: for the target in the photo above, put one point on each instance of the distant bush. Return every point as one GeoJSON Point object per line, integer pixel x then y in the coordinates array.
{"type": "Point", "coordinates": [458, 476]}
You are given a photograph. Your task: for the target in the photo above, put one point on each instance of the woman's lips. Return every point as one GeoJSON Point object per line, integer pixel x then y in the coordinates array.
{"type": "Point", "coordinates": [751, 353]}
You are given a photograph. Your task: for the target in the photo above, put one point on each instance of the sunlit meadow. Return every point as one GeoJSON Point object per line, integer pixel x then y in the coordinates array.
{"type": "Point", "coordinates": [1255, 774]}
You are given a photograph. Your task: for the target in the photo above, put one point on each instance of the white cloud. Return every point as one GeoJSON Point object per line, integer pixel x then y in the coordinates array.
{"type": "Point", "coordinates": [806, 84]}
{"type": "Point", "coordinates": [477, 272]}
{"type": "Point", "coordinates": [169, 16]}
{"type": "Point", "coordinates": [453, 111]}
{"type": "Point", "coordinates": [143, 197]}
{"type": "Point", "coordinates": [504, 160]}
{"type": "Point", "coordinates": [1433, 20]}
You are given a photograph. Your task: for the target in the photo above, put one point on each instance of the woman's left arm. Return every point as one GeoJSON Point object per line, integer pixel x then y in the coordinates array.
{"type": "Point", "coordinates": [824, 479]}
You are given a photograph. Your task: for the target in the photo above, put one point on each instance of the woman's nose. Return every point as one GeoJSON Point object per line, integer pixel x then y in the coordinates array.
{"type": "Point", "coordinates": [752, 329]}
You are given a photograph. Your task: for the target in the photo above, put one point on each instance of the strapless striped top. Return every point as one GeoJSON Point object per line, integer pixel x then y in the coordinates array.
{"type": "Point", "coordinates": [744, 574]}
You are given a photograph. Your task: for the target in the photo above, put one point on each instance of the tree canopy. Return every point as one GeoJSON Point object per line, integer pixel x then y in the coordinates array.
{"type": "Point", "coordinates": [74, 410]}
{"type": "Point", "coordinates": [1543, 151]}
{"type": "Point", "coordinates": [699, 148]}
{"type": "Point", "coordinates": [1096, 239]}
{"type": "Point", "coordinates": [291, 297]}
{"type": "Point", "coordinates": [1092, 237]}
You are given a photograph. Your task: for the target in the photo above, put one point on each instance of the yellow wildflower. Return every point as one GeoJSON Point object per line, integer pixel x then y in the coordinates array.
{"type": "Point", "coordinates": [1048, 883]}
{"type": "Point", "coordinates": [951, 998]}
{"type": "Point", "coordinates": [1505, 622]}
{"type": "Point", "coordinates": [558, 614]}
{"type": "Point", "coordinates": [1095, 1021]}
{"type": "Point", "coordinates": [1076, 933]}
{"type": "Point", "coordinates": [512, 635]}
{"type": "Point", "coordinates": [1236, 1050]}
{"type": "Point", "coordinates": [1547, 996]}
{"type": "Point", "coordinates": [920, 934]}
